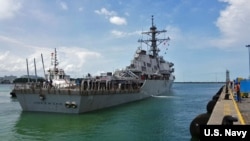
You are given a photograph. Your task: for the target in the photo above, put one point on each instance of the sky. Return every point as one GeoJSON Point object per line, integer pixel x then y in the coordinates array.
{"type": "Point", "coordinates": [207, 37]}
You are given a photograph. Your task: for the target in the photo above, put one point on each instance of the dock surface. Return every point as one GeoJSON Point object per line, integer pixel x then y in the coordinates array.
{"type": "Point", "coordinates": [229, 106]}
{"type": "Point", "coordinates": [244, 108]}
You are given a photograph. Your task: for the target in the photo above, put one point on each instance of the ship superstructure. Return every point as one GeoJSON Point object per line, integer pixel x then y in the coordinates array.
{"type": "Point", "coordinates": [56, 76]}
{"type": "Point", "coordinates": [149, 65]}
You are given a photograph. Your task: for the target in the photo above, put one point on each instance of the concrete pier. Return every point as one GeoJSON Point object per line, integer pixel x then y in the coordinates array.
{"type": "Point", "coordinates": [227, 105]}
{"type": "Point", "coordinates": [222, 110]}
{"type": "Point", "coordinates": [244, 108]}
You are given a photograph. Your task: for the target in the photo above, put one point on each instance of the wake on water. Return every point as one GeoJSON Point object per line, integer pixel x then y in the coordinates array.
{"type": "Point", "coordinates": [163, 96]}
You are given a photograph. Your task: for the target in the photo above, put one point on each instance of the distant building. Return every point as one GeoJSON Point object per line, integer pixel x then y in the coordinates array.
{"type": "Point", "coordinates": [7, 79]}
{"type": "Point", "coordinates": [31, 77]}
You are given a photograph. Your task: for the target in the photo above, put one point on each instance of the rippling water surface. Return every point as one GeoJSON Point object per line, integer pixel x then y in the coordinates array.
{"type": "Point", "coordinates": [159, 118]}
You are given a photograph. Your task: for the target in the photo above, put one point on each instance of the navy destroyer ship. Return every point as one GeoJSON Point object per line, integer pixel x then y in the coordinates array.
{"type": "Point", "coordinates": [147, 75]}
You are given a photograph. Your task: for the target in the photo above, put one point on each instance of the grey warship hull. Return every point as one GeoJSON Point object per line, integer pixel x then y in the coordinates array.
{"type": "Point", "coordinates": [75, 101]}
{"type": "Point", "coordinates": [148, 74]}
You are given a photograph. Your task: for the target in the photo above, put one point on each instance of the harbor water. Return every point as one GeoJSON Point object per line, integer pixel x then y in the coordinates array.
{"type": "Point", "coordinates": [159, 118]}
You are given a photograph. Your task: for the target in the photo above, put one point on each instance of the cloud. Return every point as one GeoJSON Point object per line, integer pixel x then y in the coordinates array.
{"type": "Point", "coordinates": [42, 16]}
{"type": "Point", "coordinates": [9, 8]}
{"type": "Point", "coordinates": [11, 63]}
{"type": "Point", "coordinates": [16, 42]}
{"type": "Point", "coordinates": [8, 39]}
{"type": "Point", "coordinates": [105, 12]}
{"type": "Point", "coordinates": [175, 33]}
{"type": "Point", "coordinates": [3, 55]}
{"type": "Point", "coordinates": [80, 9]}
{"type": "Point", "coordinates": [120, 34]}
{"type": "Point", "coordinates": [73, 59]}
{"type": "Point", "coordinates": [63, 5]}
{"type": "Point", "coordinates": [233, 24]}
{"type": "Point", "coordinates": [112, 16]}
{"type": "Point", "coordinates": [118, 20]}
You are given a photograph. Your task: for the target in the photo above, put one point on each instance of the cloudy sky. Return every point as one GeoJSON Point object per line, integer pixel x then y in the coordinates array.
{"type": "Point", "coordinates": [208, 37]}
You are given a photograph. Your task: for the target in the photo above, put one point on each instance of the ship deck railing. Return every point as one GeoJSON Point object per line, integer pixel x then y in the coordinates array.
{"type": "Point", "coordinates": [73, 89]}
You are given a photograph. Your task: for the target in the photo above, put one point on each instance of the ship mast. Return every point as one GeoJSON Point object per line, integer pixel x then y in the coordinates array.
{"type": "Point", "coordinates": [154, 42]}
{"type": "Point", "coordinates": [55, 60]}
{"type": "Point", "coordinates": [54, 63]}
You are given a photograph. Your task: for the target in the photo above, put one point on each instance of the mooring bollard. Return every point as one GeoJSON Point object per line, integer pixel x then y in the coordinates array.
{"type": "Point", "coordinates": [228, 120]}
{"type": "Point", "coordinates": [226, 96]}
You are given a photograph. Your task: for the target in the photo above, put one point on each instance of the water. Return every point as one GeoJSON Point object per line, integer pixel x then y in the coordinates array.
{"type": "Point", "coordinates": [160, 118]}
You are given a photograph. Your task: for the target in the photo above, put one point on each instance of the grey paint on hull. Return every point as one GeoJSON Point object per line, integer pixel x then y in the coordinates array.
{"type": "Point", "coordinates": [57, 101]}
